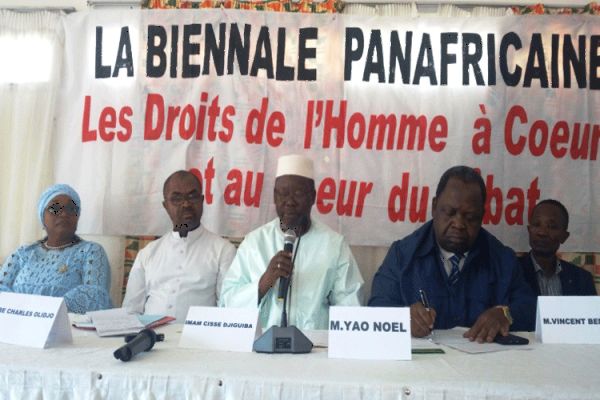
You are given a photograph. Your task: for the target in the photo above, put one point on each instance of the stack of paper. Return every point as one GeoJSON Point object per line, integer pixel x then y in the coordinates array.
{"type": "Point", "coordinates": [115, 321]}
{"type": "Point", "coordinates": [454, 338]}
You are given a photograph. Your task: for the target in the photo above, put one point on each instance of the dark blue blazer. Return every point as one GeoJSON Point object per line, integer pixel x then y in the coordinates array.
{"type": "Point", "coordinates": [491, 276]}
{"type": "Point", "coordinates": [575, 281]}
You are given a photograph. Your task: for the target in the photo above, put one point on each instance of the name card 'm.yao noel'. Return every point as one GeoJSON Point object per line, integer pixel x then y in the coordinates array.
{"type": "Point", "coordinates": [369, 333]}
{"type": "Point", "coordinates": [33, 320]}
{"type": "Point", "coordinates": [216, 328]}
{"type": "Point", "coordinates": [568, 319]}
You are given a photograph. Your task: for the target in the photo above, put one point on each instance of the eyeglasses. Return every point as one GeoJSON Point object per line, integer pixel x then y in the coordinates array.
{"type": "Point", "coordinates": [178, 200]}
{"type": "Point", "coordinates": [69, 209]}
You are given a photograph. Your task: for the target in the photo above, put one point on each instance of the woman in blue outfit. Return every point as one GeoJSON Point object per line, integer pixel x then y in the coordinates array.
{"type": "Point", "coordinates": [61, 264]}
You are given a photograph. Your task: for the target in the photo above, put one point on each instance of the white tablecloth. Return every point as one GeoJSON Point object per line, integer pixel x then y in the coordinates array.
{"type": "Point", "coordinates": [87, 370]}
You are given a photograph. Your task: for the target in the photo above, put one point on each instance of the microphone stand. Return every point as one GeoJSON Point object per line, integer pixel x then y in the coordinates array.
{"type": "Point", "coordinates": [284, 322]}
{"type": "Point", "coordinates": [284, 338]}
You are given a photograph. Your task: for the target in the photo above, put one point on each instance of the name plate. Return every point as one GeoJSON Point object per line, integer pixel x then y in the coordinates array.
{"type": "Point", "coordinates": [568, 319]}
{"type": "Point", "coordinates": [369, 333]}
{"type": "Point", "coordinates": [214, 328]}
{"type": "Point", "coordinates": [33, 320]}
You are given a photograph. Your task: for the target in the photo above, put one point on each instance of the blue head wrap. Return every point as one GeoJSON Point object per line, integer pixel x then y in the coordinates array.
{"type": "Point", "coordinates": [52, 192]}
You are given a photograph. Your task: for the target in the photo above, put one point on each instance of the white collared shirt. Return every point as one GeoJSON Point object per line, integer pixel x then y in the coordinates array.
{"type": "Point", "coordinates": [173, 273]}
{"type": "Point", "coordinates": [549, 285]}
{"type": "Point", "coordinates": [446, 255]}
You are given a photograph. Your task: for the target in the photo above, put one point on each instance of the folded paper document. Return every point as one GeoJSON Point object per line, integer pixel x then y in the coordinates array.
{"type": "Point", "coordinates": [118, 321]}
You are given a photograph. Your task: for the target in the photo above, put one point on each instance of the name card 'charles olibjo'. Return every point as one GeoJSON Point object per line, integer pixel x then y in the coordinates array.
{"type": "Point", "coordinates": [568, 319]}
{"type": "Point", "coordinates": [33, 320]}
{"type": "Point", "coordinates": [215, 328]}
{"type": "Point", "coordinates": [369, 333]}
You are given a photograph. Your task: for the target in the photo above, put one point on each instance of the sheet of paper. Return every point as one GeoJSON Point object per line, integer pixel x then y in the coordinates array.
{"type": "Point", "coordinates": [453, 338]}
{"type": "Point", "coordinates": [116, 321]}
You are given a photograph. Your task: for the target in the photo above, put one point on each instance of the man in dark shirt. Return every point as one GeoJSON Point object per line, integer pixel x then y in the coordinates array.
{"type": "Point", "coordinates": [544, 271]}
{"type": "Point", "coordinates": [471, 278]}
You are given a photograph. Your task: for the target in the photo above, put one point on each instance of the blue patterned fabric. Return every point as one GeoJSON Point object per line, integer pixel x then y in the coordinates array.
{"type": "Point", "coordinates": [79, 273]}
{"type": "Point", "coordinates": [52, 192]}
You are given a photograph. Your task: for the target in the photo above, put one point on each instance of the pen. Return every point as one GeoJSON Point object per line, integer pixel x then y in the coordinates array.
{"type": "Point", "coordinates": [425, 303]}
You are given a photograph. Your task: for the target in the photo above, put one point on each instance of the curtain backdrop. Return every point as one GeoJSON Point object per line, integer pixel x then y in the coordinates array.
{"type": "Point", "coordinates": [26, 121]}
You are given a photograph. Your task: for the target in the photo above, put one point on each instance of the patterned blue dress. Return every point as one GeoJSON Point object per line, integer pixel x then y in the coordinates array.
{"type": "Point", "coordinates": [79, 273]}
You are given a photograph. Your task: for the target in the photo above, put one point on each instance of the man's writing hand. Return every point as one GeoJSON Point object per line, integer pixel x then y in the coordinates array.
{"type": "Point", "coordinates": [421, 320]}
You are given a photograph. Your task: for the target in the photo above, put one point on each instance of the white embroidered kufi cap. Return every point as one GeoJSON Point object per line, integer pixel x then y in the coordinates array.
{"type": "Point", "coordinates": [295, 164]}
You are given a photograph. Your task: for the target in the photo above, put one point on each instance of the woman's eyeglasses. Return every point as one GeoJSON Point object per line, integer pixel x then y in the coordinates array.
{"type": "Point", "coordinates": [70, 209]}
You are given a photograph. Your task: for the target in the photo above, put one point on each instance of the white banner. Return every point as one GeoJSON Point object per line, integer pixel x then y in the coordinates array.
{"type": "Point", "coordinates": [383, 105]}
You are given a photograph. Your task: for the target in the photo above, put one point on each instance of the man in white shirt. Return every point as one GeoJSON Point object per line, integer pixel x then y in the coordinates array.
{"type": "Point", "coordinates": [186, 266]}
{"type": "Point", "coordinates": [321, 269]}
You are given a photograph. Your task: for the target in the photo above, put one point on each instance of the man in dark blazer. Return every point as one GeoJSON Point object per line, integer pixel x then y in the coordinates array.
{"type": "Point", "coordinates": [452, 272]}
{"type": "Point", "coordinates": [543, 270]}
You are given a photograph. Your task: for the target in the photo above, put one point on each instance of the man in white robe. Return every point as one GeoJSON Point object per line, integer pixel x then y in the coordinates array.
{"type": "Point", "coordinates": [186, 266]}
{"type": "Point", "coordinates": [321, 270]}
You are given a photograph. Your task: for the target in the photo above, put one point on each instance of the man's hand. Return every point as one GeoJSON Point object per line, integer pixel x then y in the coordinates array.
{"type": "Point", "coordinates": [421, 320]}
{"type": "Point", "coordinates": [280, 265]}
{"type": "Point", "coordinates": [489, 324]}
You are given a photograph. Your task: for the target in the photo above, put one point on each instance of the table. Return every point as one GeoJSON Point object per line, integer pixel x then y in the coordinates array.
{"type": "Point", "coordinates": [87, 369]}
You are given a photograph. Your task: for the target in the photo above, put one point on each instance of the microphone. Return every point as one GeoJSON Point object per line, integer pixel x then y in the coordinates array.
{"type": "Point", "coordinates": [143, 341]}
{"type": "Point", "coordinates": [289, 238]}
